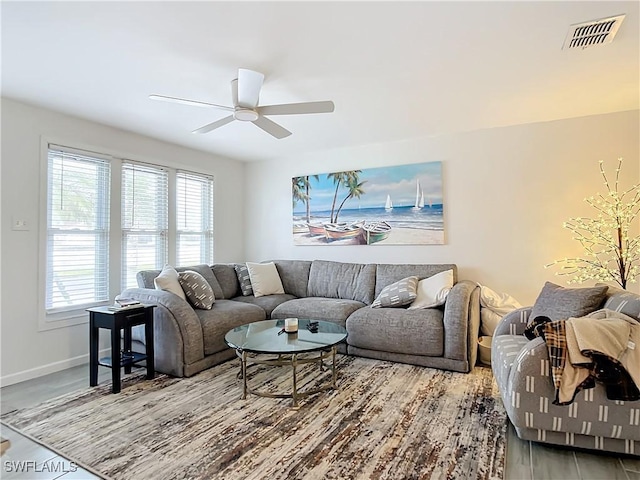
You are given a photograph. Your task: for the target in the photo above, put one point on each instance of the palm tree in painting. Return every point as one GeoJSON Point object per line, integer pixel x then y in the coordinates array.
{"type": "Point", "coordinates": [341, 179]}
{"type": "Point", "coordinates": [301, 192]}
{"type": "Point", "coordinates": [355, 191]}
{"type": "Point", "coordinates": [307, 184]}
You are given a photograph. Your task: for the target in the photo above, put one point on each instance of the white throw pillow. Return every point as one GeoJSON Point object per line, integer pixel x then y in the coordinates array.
{"type": "Point", "coordinates": [500, 303]}
{"type": "Point", "coordinates": [265, 279]}
{"type": "Point", "coordinates": [433, 291]}
{"type": "Point", "coordinates": [489, 321]}
{"type": "Point", "coordinates": [168, 280]}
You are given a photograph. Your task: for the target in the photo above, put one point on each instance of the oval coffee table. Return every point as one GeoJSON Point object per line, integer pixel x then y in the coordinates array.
{"type": "Point", "coordinates": [254, 340]}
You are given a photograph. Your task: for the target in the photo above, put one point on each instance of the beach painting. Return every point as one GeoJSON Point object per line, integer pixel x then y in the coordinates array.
{"type": "Point", "coordinates": [398, 205]}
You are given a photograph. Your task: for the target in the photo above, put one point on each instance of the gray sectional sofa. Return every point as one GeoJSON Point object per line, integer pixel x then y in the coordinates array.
{"type": "Point", "coordinates": [189, 340]}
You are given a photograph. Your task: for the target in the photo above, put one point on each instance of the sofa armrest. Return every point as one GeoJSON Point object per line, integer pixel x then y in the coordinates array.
{"type": "Point", "coordinates": [462, 322]}
{"type": "Point", "coordinates": [177, 332]}
{"type": "Point", "coordinates": [513, 323]}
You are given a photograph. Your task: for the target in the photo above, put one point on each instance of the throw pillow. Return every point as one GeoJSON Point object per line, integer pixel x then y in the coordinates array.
{"type": "Point", "coordinates": [198, 291]}
{"type": "Point", "coordinates": [433, 291]}
{"type": "Point", "coordinates": [265, 279]}
{"type": "Point", "coordinates": [398, 294]}
{"type": "Point", "coordinates": [245, 280]}
{"type": "Point", "coordinates": [500, 303]}
{"type": "Point", "coordinates": [559, 303]}
{"type": "Point", "coordinates": [168, 281]}
{"type": "Point", "coordinates": [622, 301]}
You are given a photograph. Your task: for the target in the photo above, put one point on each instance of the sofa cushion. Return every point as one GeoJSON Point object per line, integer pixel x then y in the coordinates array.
{"type": "Point", "coordinates": [398, 294]}
{"type": "Point", "coordinates": [294, 275]}
{"type": "Point", "coordinates": [386, 274]}
{"type": "Point", "coordinates": [197, 289]}
{"type": "Point", "coordinates": [267, 302]}
{"type": "Point", "coordinates": [223, 316]}
{"type": "Point", "coordinates": [228, 280]}
{"type": "Point", "coordinates": [332, 309]}
{"type": "Point", "coordinates": [242, 272]}
{"type": "Point", "coordinates": [412, 332]}
{"type": "Point", "coordinates": [349, 281]}
{"type": "Point", "coordinates": [622, 301]}
{"type": "Point", "coordinates": [559, 303]}
{"type": "Point", "coordinates": [168, 281]}
{"type": "Point", "coordinates": [432, 292]}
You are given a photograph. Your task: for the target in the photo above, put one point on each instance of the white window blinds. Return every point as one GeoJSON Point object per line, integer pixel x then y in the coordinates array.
{"type": "Point", "coordinates": [144, 219]}
{"type": "Point", "coordinates": [77, 244]}
{"type": "Point", "coordinates": [194, 218]}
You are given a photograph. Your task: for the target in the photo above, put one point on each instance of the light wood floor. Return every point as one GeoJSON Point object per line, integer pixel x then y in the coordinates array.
{"type": "Point", "coordinates": [525, 460]}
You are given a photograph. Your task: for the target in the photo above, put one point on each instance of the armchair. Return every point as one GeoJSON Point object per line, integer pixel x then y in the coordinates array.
{"type": "Point", "coordinates": [591, 421]}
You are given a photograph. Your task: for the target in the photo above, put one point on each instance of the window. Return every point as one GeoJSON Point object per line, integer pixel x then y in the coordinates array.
{"type": "Point", "coordinates": [194, 215]}
{"type": "Point", "coordinates": [77, 238]}
{"type": "Point", "coordinates": [107, 218]}
{"type": "Point", "coordinates": [145, 220]}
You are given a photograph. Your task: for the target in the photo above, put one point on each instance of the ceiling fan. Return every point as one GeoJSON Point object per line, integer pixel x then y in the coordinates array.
{"type": "Point", "coordinates": [245, 94]}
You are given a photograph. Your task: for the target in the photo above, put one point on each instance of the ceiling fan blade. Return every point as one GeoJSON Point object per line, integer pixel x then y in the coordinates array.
{"type": "Point", "coordinates": [184, 101]}
{"type": "Point", "coordinates": [271, 127]}
{"type": "Point", "coordinates": [249, 85]}
{"type": "Point", "coordinates": [297, 108]}
{"type": "Point", "coordinates": [214, 125]}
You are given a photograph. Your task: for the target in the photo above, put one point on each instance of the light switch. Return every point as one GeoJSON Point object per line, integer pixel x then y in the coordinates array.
{"type": "Point", "coordinates": [19, 224]}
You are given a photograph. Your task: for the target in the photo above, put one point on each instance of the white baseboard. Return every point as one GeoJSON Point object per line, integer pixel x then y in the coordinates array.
{"type": "Point", "coordinates": [32, 373]}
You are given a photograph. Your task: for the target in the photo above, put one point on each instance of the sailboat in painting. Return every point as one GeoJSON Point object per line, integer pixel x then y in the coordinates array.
{"type": "Point", "coordinates": [389, 205]}
{"type": "Point", "coordinates": [419, 197]}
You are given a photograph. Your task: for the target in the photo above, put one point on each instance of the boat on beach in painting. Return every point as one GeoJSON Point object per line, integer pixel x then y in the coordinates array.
{"type": "Point", "coordinates": [338, 231]}
{"type": "Point", "coordinates": [300, 227]}
{"type": "Point", "coordinates": [373, 232]}
{"type": "Point", "coordinates": [316, 230]}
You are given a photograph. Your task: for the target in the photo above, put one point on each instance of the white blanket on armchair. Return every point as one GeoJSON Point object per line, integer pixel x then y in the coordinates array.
{"type": "Point", "coordinates": [604, 332]}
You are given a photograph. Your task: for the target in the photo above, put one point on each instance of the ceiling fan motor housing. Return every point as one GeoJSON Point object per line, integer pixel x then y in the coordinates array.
{"type": "Point", "coordinates": [245, 114]}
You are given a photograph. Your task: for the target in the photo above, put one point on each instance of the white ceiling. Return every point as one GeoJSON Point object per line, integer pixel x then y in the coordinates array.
{"type": "Point", "coordinates": [394, 70]}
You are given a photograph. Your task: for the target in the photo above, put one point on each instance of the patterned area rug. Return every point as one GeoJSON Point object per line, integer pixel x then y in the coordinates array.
{"type": "Point", "coordinates": [385, 421]}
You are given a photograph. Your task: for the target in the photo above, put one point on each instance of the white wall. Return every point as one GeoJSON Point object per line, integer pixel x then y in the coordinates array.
{"type": "Point", "coordinates": [26, 351]}
{"type": "Point", "coordinates": [507, 193]}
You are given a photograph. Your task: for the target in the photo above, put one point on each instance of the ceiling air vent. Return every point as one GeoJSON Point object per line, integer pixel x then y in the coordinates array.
{"type": "Point", "coordinates": [590, 34]}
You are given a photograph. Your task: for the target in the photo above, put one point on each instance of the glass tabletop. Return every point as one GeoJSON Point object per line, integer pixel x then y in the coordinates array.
{"type": "Point", "coordinates": [264, 337]}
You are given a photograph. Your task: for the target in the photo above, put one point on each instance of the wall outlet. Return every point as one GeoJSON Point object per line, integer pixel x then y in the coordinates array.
{"type": "Point", "coordinates": [19, 224]}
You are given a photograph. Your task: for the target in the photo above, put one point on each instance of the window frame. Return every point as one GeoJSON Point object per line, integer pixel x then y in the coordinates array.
{"type": "Point", "coordinates": [207, 214]}
{"type": "Point", "coordinates": [103, 235]}
{"type": "Point", "coordinates": [163, 234]}
{"type": "Point", "coordinates": [72, 316]}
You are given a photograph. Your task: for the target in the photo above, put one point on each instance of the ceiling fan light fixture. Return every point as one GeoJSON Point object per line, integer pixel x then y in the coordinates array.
{"type": "Point", "coordinates": [245, 94]}
{"type": "Point", "coordinates": [245, 115]}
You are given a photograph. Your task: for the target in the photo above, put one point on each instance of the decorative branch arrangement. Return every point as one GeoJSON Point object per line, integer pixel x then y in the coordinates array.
{"type": "Point", "coordinates": [610, 253]}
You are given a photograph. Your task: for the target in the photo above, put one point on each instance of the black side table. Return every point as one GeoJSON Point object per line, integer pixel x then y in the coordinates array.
{"type": "Point", "coordinates": [102, 317]}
